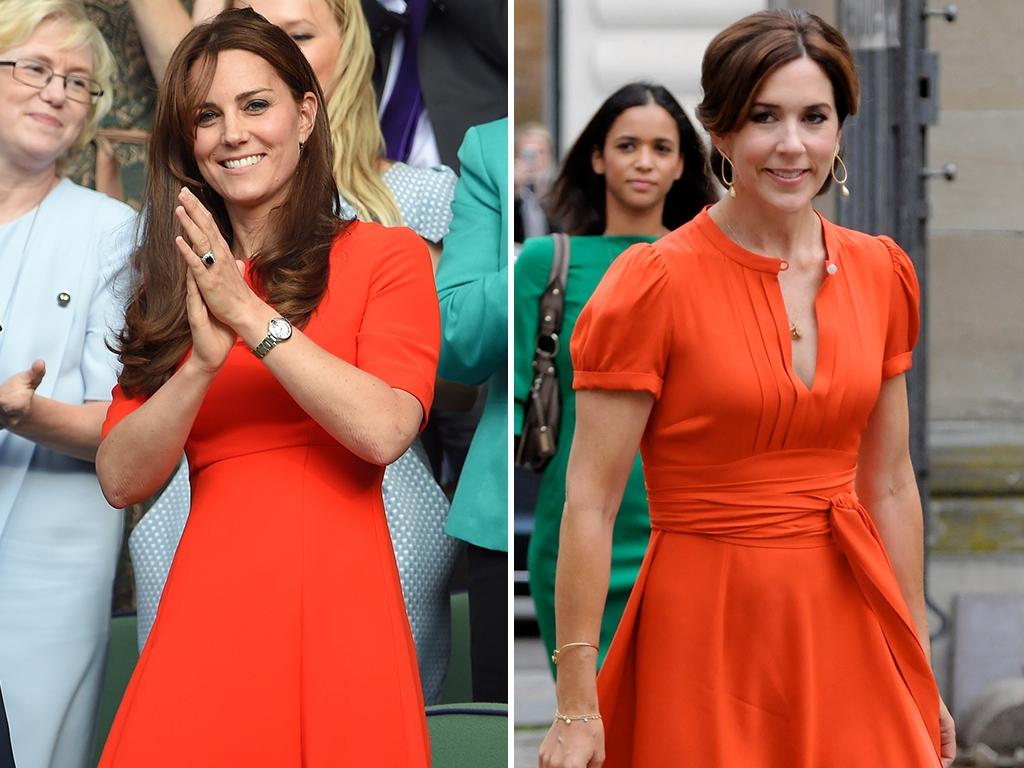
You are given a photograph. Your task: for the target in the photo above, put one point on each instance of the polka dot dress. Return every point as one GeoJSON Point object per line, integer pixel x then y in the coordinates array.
{"type": "Point", "coordinates": [424, 196]}
{"type": "Point", "coordinates": [152, 545]}
{"type": "Point", "coordinates": [417, 509]}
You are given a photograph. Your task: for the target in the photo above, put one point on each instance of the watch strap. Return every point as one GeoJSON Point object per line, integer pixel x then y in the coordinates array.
{"type": "Point", "coordinates": [261, 349]}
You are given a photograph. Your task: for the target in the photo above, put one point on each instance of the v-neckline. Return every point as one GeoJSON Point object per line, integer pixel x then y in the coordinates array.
{"type": "Point", "coordinates": [787, 340]}
{"type": "Point", "coordinates": [771, 267]}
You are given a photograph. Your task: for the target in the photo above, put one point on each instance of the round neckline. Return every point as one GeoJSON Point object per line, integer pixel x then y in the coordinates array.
{"type": "Point", "coordinates": [21, 217]}
{"type": "Point", "coordinates": [770, 264]}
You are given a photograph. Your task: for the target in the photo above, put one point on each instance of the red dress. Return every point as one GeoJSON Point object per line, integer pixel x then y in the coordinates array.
{"type": "Point", "coordinates": [766, 628]}
{"type": "Point", "coordinates": [282, 638]}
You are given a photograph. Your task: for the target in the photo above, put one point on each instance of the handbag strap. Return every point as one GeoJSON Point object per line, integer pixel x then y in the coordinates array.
{"type": "Point", "coordinates": [552, 302]}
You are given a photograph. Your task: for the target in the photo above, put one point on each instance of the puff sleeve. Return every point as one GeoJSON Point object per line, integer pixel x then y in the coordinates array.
{"type": "Point", "coordinates": [904, 313]}
{"type": "Point", "coordinates": [624, 333]}
{"type": "Point", "coordinates": [100, 366]}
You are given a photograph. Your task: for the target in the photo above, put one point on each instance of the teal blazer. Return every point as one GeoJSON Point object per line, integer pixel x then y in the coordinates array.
{"type": "Point", "coordinates": [472, 285]}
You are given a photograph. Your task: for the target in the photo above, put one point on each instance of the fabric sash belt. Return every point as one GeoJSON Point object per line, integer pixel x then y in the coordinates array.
{"type": "Point", "coordinates": [786, 499]}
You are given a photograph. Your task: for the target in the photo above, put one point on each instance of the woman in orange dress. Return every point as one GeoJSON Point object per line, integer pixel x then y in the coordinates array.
{"type": "Point", "coordinates": [756, 355]}
{"type": "Point", "coordinates": [292, 355]}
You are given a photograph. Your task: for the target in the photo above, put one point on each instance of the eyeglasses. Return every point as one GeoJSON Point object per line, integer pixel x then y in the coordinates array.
{"type": "Point", "coordinates": [38, 75]}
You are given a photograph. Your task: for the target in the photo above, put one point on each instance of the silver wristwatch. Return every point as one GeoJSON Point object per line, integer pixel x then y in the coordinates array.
{"type": "Point", "coordinates": [279, 330]}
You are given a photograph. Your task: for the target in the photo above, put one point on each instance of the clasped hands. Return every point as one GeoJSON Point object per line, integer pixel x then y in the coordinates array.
{"type": "Point", "coordinates": [217, 297]}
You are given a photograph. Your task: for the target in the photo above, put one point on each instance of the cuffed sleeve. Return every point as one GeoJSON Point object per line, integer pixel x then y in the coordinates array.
{"type": "Point", "coordinates": [904, 313]}
{"type": "Point", "coordinates": [623, 335]}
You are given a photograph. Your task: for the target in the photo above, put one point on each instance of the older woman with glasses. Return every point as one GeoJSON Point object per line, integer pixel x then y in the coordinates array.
{"type": "Point", "coordinates": [60, 247]}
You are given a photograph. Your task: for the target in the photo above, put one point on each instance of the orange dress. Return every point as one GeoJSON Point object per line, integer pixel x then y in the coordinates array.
{"type": "Point", "coordinates": [281, 638]}
{"type": "Point", "coordinates": [766, 628]}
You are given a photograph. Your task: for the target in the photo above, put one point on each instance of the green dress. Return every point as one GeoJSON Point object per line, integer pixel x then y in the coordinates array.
{"type": "Point", "coordinates": [589, 258]}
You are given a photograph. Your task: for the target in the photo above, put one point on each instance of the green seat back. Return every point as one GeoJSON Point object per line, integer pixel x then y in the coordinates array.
{"type": "Point", "coordinates": [122, 653]}
{"type": "Point", "coordinates": [458, 685]}
{"type": "Point", "coordinates": [468, 735]}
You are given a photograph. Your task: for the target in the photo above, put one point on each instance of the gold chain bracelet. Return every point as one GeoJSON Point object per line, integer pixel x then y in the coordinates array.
{"type": "Point", "coordinates": [570, 719]}
{"type": "Point", "coordinates": [558, 651]}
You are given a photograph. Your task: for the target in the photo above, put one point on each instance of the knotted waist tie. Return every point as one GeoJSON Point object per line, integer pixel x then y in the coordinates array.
{"type": "Point", "coordinates": [790, 499]}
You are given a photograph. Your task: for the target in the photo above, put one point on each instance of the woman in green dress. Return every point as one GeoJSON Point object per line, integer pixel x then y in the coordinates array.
{"type": "Point", "coordinates": [636, 172]}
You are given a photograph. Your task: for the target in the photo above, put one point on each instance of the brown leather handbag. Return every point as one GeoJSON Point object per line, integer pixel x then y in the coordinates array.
{"type": "Point", "coordinates": [543, 411]}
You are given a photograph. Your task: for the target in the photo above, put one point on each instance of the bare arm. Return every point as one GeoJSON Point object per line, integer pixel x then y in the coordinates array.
{"type": "Point", "coordinates": [73, 430]}
{"type": "Point", "coordinates": [887, 487]}
{"type": "Point", "coordinates": [163, 23]}
{"type": "Point", "coordinates": [141, 451]}
{"type": "Point", "coordinates": [609, 426]}
{"type": "Point", "coordinates": [435, 253]}
{"type": "Point", "coordinates": [69, 428]}
{"type": "Point", "coordinates": [372, 419]}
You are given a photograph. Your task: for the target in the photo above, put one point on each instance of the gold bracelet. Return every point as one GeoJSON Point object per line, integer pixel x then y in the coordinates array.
{"type": "Point", "coordinates": [570, 719]}
{"type": "Point", "coordinates": [555, 654]}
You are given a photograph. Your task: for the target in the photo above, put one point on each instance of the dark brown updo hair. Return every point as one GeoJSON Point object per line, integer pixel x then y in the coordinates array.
{"type": "Point", "coordinates": [743, 55]}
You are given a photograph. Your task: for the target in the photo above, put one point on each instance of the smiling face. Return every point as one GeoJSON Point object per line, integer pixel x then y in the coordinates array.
{"type": "Point", "coordinates": [640, 160]}
{"type": "Point", "coordinates": [247, 133]}
{"type": "Point", "coordinates": [38, 126]}
{"type": "Point", "coordinates": [314, 28]}
{"type": "Point", "coordinates": [783, 152]}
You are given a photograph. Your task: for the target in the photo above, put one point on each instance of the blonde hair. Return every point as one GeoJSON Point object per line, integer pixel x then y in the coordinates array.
{"type": "Point", "coordinates": [355, 127]}
{"type": "Point", "coordinates": [19, 19]}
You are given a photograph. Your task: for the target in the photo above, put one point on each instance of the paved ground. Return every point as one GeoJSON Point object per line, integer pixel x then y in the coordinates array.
{"type": "Point", "coordinates": [535, 700]}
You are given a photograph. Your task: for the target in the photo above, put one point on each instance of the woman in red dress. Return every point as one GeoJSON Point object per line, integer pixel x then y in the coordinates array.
{"type": "Point", "coordinates": [292, 355]}
{"type": "Point", "coordinates": [757, 356]}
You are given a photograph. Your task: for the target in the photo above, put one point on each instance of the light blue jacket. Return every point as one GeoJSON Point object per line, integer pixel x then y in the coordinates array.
{"type": "Point", "coordinates": [78, 245]}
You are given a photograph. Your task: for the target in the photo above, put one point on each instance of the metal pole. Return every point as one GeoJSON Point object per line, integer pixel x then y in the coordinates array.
{"type": "Point", "coordinates": [885, 153]}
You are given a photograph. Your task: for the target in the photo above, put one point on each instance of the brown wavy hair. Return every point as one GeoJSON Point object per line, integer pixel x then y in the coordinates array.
{"type": "Point", "coordinates": [742, 56]}
{"type": "Point", "coordinates": [291, 269]}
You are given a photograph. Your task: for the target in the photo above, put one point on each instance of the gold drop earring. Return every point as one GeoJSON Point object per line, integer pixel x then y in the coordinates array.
{"type": "Point", "coordinates": [732, 175]}
{"type": "Point", "coordinates": [846, 174]}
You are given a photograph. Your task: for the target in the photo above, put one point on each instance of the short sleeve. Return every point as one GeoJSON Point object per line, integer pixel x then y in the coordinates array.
{"type": "Point", "coordinates": [904, 313]}
{"type": "Point", "coordinates": [120, 406]}
{"type": "Point", "coordinates": [99, 365]}
{"type": "Point", "coordinates": [400, 334]}
{"type": "Point", "coordinates": [624, 333]}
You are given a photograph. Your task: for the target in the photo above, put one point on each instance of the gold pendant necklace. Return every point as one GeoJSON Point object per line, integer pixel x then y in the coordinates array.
{"type": "Point", "coordinates": [794, 329]}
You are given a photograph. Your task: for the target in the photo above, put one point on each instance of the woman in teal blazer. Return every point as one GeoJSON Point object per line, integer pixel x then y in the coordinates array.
{"type": "Point", "coordinates": [472, 284]}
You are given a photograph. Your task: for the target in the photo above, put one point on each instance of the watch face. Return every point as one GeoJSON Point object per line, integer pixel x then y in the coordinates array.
{"type": "Point", "coordinates": [280, 328]}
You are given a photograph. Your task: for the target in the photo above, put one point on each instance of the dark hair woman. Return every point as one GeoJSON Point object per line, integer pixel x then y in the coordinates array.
{"type": "Point", "coordinates": [292, 356]}
{"type": "Point", "coordinates": [580, 194]}
{"type": "Point", "coordinates": [757, 356]}
{"type": "Point", "coordinates": [636, 171]}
